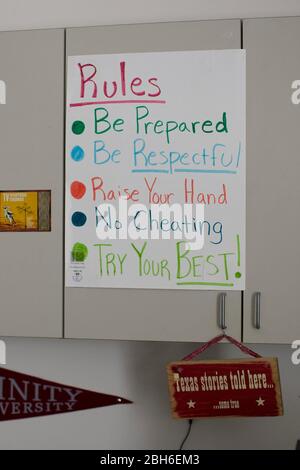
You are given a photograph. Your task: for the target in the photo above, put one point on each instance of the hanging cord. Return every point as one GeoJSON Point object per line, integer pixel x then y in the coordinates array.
{"type": "Point", "coordinates": [190, 422]}
{"type": "Point", "coordinates": [217, 339]}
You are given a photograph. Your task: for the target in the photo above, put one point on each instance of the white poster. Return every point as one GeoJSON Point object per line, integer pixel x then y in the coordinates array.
{"type": "Point", "coordinates": [155, 170]}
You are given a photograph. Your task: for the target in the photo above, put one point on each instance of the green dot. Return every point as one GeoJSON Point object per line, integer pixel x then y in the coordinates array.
{"type": "Point", "coordinates": [79, 252]}
{"type": "Point", "coordinates": [238, 274]}
{"type": "Point", "coordinates": [78, 127]}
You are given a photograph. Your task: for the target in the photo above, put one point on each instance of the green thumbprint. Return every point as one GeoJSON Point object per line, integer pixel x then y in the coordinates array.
{"type": "Point", "coordinates": [79, 252]}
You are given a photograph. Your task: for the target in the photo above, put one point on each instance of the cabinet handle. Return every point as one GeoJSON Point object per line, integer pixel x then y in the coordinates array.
{"type": "Point", "coordinates": [221, 311]}
{"type": "Point", "coordinates": [257, 297]}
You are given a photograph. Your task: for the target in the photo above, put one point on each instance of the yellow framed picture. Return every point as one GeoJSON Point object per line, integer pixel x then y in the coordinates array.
{"type": "Point", "coordinates": [25, 211]}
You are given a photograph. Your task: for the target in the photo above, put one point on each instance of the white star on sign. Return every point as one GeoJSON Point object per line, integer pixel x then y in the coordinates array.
{"type": "Point", "coordinates": [191, 404]}
{"type": "Point", "coordinates": [260, 402]}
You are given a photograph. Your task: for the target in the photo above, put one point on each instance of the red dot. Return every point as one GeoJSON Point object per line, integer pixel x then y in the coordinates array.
{"type": "Point", "coordinates": [78, 189]}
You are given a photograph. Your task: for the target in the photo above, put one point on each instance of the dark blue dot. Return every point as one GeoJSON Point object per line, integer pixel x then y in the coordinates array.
{"type": "Point", "coordinates": [78, 219]}
{"type": "Point", "coordinates": [77, 153]}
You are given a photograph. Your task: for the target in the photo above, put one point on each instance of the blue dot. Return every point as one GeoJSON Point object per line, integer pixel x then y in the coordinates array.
{"type": "Point", "coordinates": [78, 219]}
{"type": "Point", "coordinates": [77, 153]}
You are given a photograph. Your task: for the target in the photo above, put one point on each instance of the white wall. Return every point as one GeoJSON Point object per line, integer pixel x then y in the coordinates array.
{"type": "Point", "coordinates": [132, 369]}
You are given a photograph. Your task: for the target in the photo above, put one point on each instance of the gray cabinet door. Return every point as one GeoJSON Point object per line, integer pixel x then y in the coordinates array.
{"type": "Point", "coordinates": [31, 145]}
{"type": "Point", "coordinates": [273, 189]}
{"type": "Point", "coordinates": [150, 314]}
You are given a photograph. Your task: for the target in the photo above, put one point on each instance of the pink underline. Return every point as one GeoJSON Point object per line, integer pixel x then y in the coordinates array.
{"type": "Point", "coordinates": [87, 103]}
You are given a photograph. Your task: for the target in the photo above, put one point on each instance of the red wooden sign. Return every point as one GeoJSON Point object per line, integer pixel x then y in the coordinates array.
{"type": "Point", "coordinates": [237, 387]}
